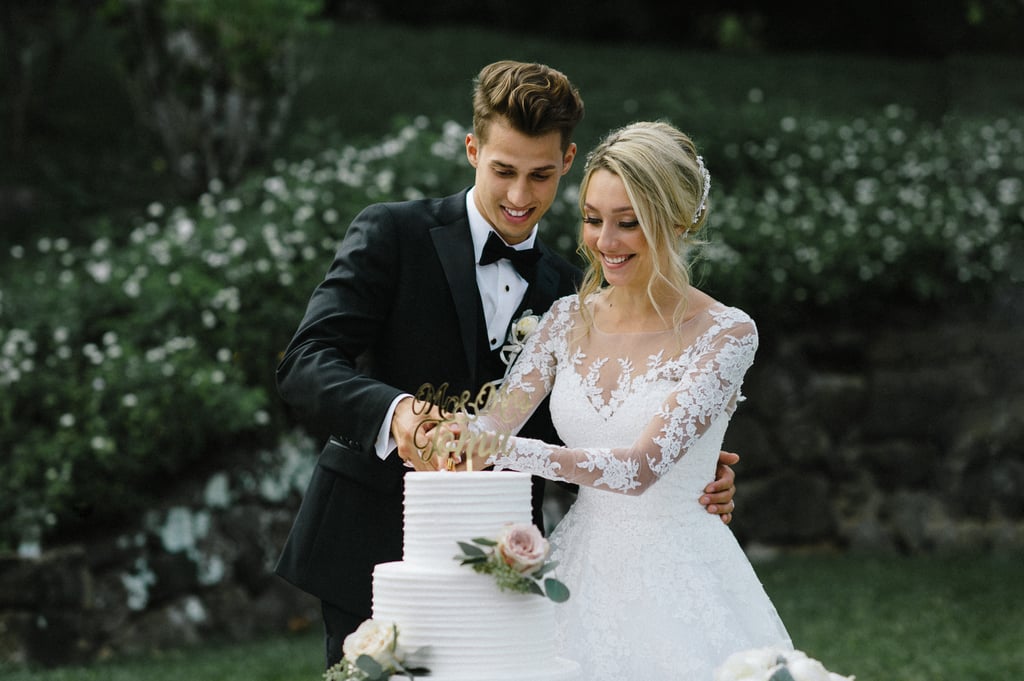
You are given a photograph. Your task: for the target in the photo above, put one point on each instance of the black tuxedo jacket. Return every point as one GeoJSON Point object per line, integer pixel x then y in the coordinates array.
{"type": "Point", "coordinates": [398, 308]}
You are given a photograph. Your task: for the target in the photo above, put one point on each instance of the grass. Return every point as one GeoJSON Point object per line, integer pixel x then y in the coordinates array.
{"type": "Point", "coordinates": [884, 618]}
{"type": "Point", "coordinates": [933, 618]}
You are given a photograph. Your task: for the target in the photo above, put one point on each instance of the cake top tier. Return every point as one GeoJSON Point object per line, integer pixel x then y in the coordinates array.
{"type": "Point", "coordinates": [443, 508]}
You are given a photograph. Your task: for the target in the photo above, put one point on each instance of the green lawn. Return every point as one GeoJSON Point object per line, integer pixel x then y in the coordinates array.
{"type": "Point", "coordinates": [927, 618]}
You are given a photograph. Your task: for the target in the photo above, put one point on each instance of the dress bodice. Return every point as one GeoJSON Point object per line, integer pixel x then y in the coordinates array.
{"type": "Point", "coordinates": [660, 588]}
{"type": "Point", "coordinates": [629, 407]}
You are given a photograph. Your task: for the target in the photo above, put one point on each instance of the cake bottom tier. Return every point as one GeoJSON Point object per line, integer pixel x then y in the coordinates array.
{"type": "Point", "coordinates": [460, 626]}
{"type": "Point", "coordinates": [560, 670]}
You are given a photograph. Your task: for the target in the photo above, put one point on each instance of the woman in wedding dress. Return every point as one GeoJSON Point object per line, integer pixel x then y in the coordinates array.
{"type": "Point", "coordinates": [644, 372]}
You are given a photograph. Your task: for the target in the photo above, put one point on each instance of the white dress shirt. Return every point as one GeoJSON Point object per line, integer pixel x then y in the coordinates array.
{"type": "Point", "coordinates": [501, 290]}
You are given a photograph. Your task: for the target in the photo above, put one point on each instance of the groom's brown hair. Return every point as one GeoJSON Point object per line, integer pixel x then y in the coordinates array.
{"type": "Point", "coordinates": [535, 99]}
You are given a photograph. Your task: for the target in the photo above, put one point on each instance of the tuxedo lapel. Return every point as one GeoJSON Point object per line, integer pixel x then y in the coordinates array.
{"type": "Point", "coordinates": [454, 246]}
{"type": "Point", "coordinates": [543, 289]}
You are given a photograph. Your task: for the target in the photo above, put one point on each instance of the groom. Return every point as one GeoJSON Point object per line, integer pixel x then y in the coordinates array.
{"type": "Point", "coordinates": [424, 292]}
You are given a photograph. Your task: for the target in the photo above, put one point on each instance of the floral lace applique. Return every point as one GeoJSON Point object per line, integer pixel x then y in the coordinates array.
{"type": "Point", "coordinates": [681, 397]}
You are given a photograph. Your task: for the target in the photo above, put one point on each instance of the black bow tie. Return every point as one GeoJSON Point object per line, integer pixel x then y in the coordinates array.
{"type": "Point", "coordinates": [524, 261]}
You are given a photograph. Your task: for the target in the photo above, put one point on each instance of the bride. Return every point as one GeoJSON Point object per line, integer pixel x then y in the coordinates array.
{"type": "Point", "coordinates": [644, 374]}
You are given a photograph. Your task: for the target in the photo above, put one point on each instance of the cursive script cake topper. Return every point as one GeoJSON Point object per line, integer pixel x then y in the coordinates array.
{"type": "Point", "coordinates": [446, 432]}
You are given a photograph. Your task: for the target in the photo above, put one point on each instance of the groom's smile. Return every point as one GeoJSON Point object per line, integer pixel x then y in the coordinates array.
{"type": "Point", "coordinates": [517, 176]}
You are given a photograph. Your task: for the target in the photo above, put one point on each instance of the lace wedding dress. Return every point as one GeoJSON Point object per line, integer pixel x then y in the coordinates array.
{"type": "Point", "coordinates": [660, 589]}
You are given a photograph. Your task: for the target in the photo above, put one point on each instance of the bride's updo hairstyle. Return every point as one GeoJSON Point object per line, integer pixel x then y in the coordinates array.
{"type": "Point", "coordinates": [667, 185]}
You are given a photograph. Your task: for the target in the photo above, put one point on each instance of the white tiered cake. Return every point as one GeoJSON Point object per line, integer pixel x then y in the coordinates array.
{"type": "Point", "coordinates": [466, 627]}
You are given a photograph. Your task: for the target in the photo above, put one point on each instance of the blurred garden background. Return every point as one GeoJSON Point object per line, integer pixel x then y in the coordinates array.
{"type": "Point", "coordinates": [176, 175]}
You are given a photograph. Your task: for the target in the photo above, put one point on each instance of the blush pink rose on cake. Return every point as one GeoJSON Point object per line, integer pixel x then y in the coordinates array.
{"type": "Point", "coordinates": [517, 559]}
{"type": "Point", "coordinates": [523, 548]}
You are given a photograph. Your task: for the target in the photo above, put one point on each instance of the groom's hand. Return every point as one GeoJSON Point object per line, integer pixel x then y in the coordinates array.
{"type": "Point", "coordinates": [718, 495]}
{"type": "Point", "coordinates": [410, 427]}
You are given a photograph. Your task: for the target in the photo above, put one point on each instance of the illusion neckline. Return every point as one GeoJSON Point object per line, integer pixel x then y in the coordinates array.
{"type": "Point", "coordinates": [686, 323]}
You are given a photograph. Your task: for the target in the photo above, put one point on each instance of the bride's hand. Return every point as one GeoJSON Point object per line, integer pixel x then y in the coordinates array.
{"type": "Point", "coordinates": [476, 448]}
{"type": "Point", "coordinates": [458, 448]}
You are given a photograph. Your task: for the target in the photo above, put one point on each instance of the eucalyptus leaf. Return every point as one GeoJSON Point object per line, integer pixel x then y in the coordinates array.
{"type": "Point", "coordinates": [556, 591]}
{"type": "Point", "coordinates": [411, 672]}
{"type": "Point", "coordinates": [482, 541]}
{"type": "Point", "coordinates": [781, 674]}
{"type": "Point", "coordinates": [545, 568]}
{"type": "Point", "coordinates": [369, 666]}
{"type": "Point", "coordinates": [471, 550]}
{"type": "Point", "coordinates": [416, 671]}
{"type": "Point", "coordinates": [534, 587]}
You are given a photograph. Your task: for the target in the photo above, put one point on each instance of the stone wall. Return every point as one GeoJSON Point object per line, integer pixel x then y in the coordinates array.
{"type": "Point", "coordinates": [198, 568]}
{"type": "Point", "coordinates": [904, 437]}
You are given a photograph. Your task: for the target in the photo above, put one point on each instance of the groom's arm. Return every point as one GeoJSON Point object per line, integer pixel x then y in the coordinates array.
{"type": "Point", "coordinates": [319, 376]}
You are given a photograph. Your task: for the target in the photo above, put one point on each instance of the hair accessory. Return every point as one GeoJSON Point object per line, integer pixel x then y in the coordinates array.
{"type": "Point", "coordinates": [706, 176]}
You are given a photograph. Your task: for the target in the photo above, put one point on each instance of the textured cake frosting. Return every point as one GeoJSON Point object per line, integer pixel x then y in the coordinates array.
{"type": "Point", "coordinates": [465, 627]}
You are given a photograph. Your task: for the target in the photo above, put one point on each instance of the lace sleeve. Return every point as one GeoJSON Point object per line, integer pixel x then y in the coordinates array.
{"type": "Point", "coordinates": [708, 388]}
{"type": "Point", "coordinates": [530, 377]}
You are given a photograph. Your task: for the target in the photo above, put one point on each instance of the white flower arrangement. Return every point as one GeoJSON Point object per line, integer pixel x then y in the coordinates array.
{"type": "Point", "coordinates": [517, 335]}
{"type": "Point", "coordinates": [774, 664]}
{"type": "Point", "coordinates": [517, 560]}
{"type": "Point", "coordinates": [372, 653]}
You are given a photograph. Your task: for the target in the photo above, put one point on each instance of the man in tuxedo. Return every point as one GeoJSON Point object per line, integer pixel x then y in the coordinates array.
{"type": "Point", "coordinates": [424, 292]}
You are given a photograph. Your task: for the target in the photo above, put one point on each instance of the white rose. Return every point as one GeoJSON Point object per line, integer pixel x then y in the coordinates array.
{"type": "Point", "coordinates": [523, 548]}
{"type": "Point", "coordinates": [373, 638]}
{"type": "Point", "coordinates": [524, 327]}
{"type": "Point", "coordinates": [807, 669]}
{"type": "Point", "coordinates": [748, 665]}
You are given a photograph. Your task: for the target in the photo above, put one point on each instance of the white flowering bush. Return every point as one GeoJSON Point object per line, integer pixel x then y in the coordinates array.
{"type": "Point", "coordinates": [854, 215]}
{"type": "Point", "coordinates": [127, 361]}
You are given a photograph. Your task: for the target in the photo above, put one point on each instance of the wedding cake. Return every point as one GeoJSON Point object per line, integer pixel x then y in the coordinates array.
{"type": "Point", "coordinates": [464, 626]}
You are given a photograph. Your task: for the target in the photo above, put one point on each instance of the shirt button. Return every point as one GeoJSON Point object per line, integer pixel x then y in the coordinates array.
{"type": "Point", "coordinates": [493, 341]}
{"type": "Point", "coordinates": [507, 289]}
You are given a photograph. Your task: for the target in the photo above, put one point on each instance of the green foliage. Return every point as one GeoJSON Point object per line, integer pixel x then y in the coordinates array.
{"type": "Point", "coordinates": [125, 365]}
{"type": "Point", "coordinates": [213, 80]}
{"type": "Point", "coordinates": [122, 364]}
{"type": "Point", "coordinates": [249, 32]}
{"type": "Point", "coordinates": [133, 357]}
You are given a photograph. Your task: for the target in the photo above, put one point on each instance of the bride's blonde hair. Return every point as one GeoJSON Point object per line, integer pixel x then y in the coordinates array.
{"type": "Point", "coordinates": [667, 184]}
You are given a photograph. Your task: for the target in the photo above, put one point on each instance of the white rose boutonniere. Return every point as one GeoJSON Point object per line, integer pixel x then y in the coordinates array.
{"type": "Point", "coordinates": [371, 653]}
{"type": "Point", "coordinates": [517, 335]}
{"type": "Point", "coordinates": [517, 560]}
{"type": "Point", "coordinates": [773, 664]}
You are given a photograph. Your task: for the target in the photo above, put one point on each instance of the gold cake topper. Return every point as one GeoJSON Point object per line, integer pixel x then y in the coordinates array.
{"type": "Point", "coordinates": [450, 434]}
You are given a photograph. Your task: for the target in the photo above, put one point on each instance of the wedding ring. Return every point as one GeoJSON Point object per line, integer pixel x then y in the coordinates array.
{"type": "Point", "coordinates": [450, 464]}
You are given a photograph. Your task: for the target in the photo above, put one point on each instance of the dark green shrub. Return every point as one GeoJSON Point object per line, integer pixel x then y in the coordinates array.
{"type": "Point", "coordinates": [123, 367]}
